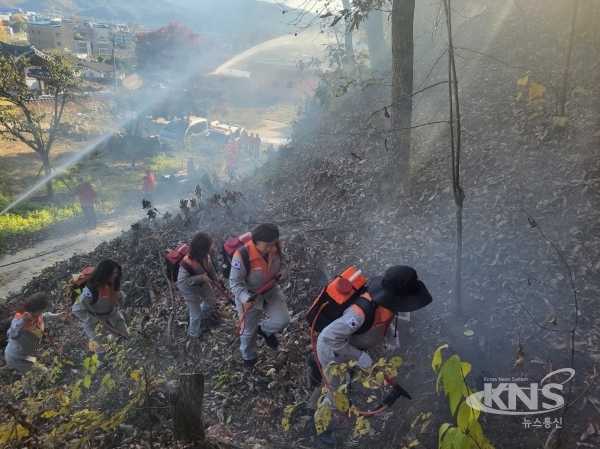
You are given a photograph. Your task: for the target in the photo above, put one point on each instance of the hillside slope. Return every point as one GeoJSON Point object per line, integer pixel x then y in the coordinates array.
{"type": "Point", "coordinates": [333, 210]}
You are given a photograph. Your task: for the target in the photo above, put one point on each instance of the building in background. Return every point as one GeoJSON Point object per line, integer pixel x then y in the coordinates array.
{"type": "Point", "coordinates": [9, 10]}
{"type": "Point", "coordinates": [97, 70]}
{"type": "Point", "coordinates": [102, 44]}
{"type": "Point", "coordinates": [83, 48]}
{"type": "Point", "coordinates": [27, 54]}
{"type": "Point", "coordinates": [59, 35]}
{"type": "Point", "coordinates": [123, 39]}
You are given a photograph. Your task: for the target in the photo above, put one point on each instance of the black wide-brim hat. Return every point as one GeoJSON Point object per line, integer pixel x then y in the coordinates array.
{"type": "Point", "coordinates": [399, 290]}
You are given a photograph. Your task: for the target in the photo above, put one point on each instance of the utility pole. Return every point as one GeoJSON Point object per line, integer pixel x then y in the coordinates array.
{"type": "Point", "coordinates": [115, 71]}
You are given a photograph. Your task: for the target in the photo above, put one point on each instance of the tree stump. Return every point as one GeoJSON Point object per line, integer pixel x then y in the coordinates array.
{"type": "Point", "coordinates": [186, 407]}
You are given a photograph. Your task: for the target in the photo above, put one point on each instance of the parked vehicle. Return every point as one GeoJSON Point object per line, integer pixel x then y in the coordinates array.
{"type": "Point", "coordinates": [171, 133]}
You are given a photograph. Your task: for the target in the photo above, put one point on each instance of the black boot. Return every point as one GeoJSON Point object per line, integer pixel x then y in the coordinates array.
{"type": "Point", "coordinates": [326, 437]}
{"type": "Point", "coordinates": [315, 373]}
{"type": "Point", "coordinates": [270, 340]}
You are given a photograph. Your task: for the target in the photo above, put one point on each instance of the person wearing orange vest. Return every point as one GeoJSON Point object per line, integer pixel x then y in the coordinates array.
{"type": "Point", "coordinates": [266, 261]}
{"type": "Point", "coordinates": [148, 187]}
{"type": "Point", "coordinates": [195, 284]}
{"type": "Point", "coordinates": [26, 331]}
{"type": "Point", "coordinates": [98, 303]}
{"type": "Point", "coordinates": [87, 197]}
{"type": "Point", "coordinates": [399, 290]}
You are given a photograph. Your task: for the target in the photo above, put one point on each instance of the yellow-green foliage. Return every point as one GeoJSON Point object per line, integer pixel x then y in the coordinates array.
{"type": "Point", "coordinates": [362, 426]}
{"type": "Point", "coordinates": [29, 217]}
{"type": "Point", "coordinates": [468, 432]}
{"type": "Point", "coordinates": [65, 409]}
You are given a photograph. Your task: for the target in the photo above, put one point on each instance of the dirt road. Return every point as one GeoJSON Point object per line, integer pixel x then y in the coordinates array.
{"type": "Point", "coordinates": [16, 270]}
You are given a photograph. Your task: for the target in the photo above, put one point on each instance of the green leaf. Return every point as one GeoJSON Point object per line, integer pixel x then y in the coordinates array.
{"type": "Point", "coordinates": [464, 416]}
{"type": "Point", "coordinates": [476, 433]}
{"type": "Point", "coordinates": [453, 381]}
{"type": "Point", "coordinates": [87, 381]}
{"type": "Point", "coordinates": [105, 379]}
{"type": "Point", "coordinates": [437, 357]}
{"type": "Point", "coordinates": [49, 414]}
{"type": "Point", "coordinates": [443, 428]}
{"type": "Point", "coordinates": [454, 439]}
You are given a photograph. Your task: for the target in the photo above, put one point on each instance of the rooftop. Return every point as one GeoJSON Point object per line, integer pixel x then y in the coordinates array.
{"type": "Point", "coordinates": [45, 24]}
{"type": "Point", "coordinates": [21, 51]}
{"type": "Point", "coordinates": [98, 66]}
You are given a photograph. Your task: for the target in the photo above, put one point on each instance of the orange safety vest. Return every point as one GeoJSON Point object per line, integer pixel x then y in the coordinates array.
{"type": "Point", "coordinates": [257, 262]}
{"type": "Point", "coordinates": [108, 292]}
{"type": "Point", "coordinates": [33, 325]}
{"type": "Point", "coordinates": [383, 316]}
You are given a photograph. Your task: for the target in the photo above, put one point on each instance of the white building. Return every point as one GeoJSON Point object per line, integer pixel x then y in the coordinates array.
{"type": "Point", "coordinates": [97, 70]}
{"type": "Point", "coordinates": [83, 49]}
{"type": "Point", "coordinates": [123, 39]}
{"type": "Point", "coordinates": [102, 43]}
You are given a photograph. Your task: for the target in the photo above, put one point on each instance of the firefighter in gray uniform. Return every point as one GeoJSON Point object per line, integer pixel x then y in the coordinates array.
{"type": "Point", "coordinates": [265, 261]}
{"type": "Point", "coordinates": [26, 331]}
{"type": "Point", "coordinates": [99, 303]}
{"type": "Point", "coordinates": [399, 290]}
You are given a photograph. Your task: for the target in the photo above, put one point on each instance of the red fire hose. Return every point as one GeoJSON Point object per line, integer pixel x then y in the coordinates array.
{"type": "Point", "coordinates": [242, 323]}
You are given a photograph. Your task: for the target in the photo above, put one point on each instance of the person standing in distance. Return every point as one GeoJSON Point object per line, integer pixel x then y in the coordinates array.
{"type": "Point", "coordinates": [87, 198]}
{"type": "Point", "coordinates": [148, 187]}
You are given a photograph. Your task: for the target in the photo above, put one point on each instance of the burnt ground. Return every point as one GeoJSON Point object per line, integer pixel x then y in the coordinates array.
{"type": "Point", "coordinates": [334, 212]}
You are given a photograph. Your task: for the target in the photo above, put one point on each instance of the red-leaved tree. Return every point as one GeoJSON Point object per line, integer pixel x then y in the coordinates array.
{"type": "Point", "coordinates": [166, 55]}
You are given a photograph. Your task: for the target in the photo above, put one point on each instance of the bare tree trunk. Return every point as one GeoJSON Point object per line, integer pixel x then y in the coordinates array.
{"type": "Point", "coordinates": [565, 83]}
{"type": "Point", "coordinates": [186, 408]}
{"type": "Point", "coordinates": [403, 12]}
{"type": "Point", "coordinates": [458, 259]}
{"type": "Point", "coordinates": [348, 41]}
{"type": "Point", "coordinates": [47, 173]}
{"type": "Point", "coordinates": [378, 51]}
{"type": "Point", "coordinates": [455, 147]}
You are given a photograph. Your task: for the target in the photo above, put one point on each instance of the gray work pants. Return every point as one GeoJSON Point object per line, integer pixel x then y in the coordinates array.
{"type": "Point", "coordinates": [23, 363]}
{"type": "Point", "coordinates": [328, 359]}
{"type": "Point", "coordinates": [198, 308]}
{"type": "Point", "coordinates": [115, 320]}
{"type": "Point", "coordinates": [278, 317]}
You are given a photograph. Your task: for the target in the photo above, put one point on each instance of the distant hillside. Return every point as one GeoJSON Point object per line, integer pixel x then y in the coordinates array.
{"type": "Point", "coordinates": [243, 17]}
{"type": "Point", "coordinates": [131, 10]}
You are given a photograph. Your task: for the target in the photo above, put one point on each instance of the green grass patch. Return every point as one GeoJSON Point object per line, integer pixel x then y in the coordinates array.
{"type": "Point", "coordinates": [29, 217]}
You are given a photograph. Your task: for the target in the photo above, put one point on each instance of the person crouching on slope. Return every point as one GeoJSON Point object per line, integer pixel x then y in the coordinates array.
{"type": "Point", "coordinates": [194, 281]}
{"type": "Point", "coordinates": [26, 331]}
{"type": "Point", "coordinates": [98, 303]}
{"type": "Point", "coordinates": [399, 290]}
{"type": "Point", "coordinates": [265, 261]}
